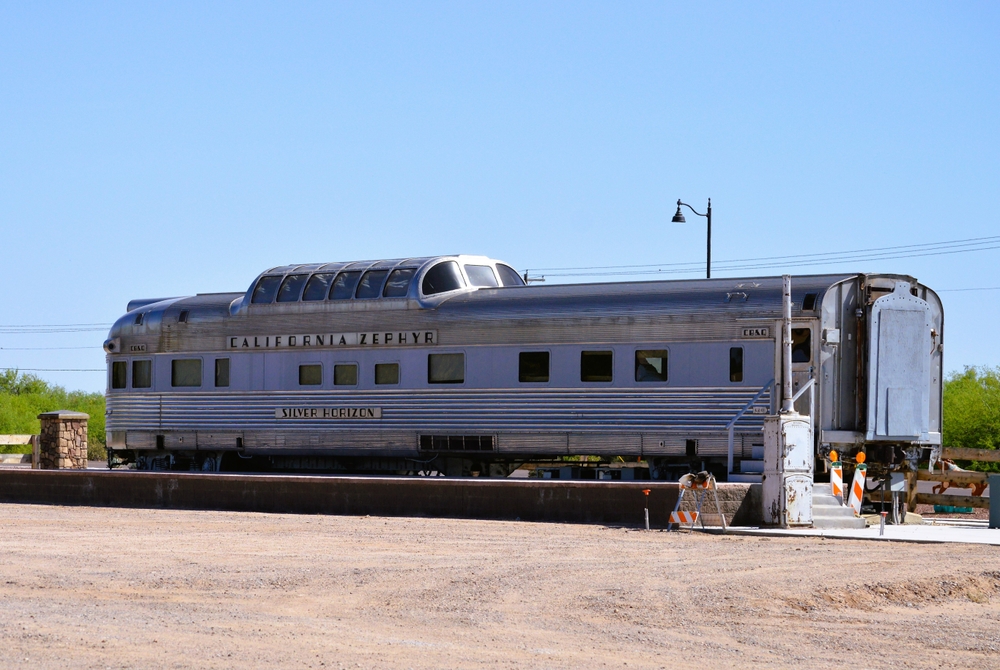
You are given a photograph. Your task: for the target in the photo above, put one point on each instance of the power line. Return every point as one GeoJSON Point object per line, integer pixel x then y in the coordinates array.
{"type": "Point", "coordinates": [43, 330]}
{"type": "Point", "coordinates": [55, 369]}
{"type": "Point", "coordinates": [982, 288]}
{"type": "Point", "coordinates": [790, 261]}
{"type": "Point", "coordinates": [95, 347]}
{"type": "Point", "coordinates": [825, 258]}
{"type": "Point", "coordinates": [995, 239]}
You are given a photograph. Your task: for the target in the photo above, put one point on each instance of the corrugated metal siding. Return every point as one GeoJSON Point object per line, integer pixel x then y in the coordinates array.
{"type": "Point", "coordinates": [580, 422]}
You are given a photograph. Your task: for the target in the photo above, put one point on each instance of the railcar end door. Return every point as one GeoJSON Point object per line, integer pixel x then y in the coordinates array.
{"type": "Point", "coordinates": [899, 367]}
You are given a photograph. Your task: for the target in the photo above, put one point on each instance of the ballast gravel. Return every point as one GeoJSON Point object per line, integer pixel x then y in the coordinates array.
{"type": "Point", "coordinates": [120, 588]}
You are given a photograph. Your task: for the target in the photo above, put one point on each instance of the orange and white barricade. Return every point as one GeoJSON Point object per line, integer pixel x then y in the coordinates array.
{"type": "Point", "coordinates": [837, 477]}
{"type": "Point", "coordinates": [684, 517]}
{"type": "Point", "coordinates": [699, 485]}
{"type": "Point", "coordinates": [858, 486]}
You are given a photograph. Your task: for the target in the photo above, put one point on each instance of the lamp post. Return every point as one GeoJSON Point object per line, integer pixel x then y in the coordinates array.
{"type": "Point", "coordinates": [679, 218]}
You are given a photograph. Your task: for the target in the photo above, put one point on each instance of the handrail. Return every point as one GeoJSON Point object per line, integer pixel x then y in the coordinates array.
{"type": "Point", "coordinates": [732, 424]}
{"type": "Point", "coordinates": [805, 387]}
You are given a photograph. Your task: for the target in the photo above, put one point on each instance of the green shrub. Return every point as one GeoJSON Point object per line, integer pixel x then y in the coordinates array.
{"type": "Point", "coordinates": [23, 397]}
{"type": "Point", "coordinates": [972, 411]}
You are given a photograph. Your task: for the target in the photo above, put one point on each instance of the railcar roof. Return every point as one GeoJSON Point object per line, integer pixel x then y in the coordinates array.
{"type": "Point", "coordinates": [760, 294]}
{"type": "Point", "coordinates": [752, 296]}
{"type": "Point", "coordinates": [350, 265]}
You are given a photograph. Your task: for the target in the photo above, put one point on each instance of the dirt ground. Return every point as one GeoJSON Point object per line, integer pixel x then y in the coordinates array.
{"type": "Point", "coordinates": [96, 588]}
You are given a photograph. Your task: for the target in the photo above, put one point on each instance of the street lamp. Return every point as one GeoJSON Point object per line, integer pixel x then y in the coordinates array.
{"type": "Point", "coordinates": [679, 218]}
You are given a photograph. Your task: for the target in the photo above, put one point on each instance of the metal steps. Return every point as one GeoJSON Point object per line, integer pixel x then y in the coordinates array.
{"type": "Point", "coordinates": [751, 470]}
{"type": "Point", "coordinates": [829, 513]}
{"type": "Point", "coordinates": [737, 478]}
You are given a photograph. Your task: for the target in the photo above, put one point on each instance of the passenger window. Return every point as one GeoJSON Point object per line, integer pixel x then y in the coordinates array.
{"type": "Point", "coordinates": [119, 374]}
{"type": "Point", "coordinates": [596, 366]}
{"type": "Point", "coordinates": [221, 372]}
{"type": "Point", "coordinates": [441, 278]}
{"type": "Point", "coordinates": [185, 372]}
{"type": "Point", "coordinates": [142, 374]}
{"type": "Point", "coordinates": [481, 275]}
{"type": "Point", "coordinates": [266, 288]}
{"type": "Point", "coordinates": [398, 283]}
{"type": "Point", "coordinates": [310, 375]}
{"type": "Point", "coordinates": [291, 288]}
{"type": "Point", "coordinates": [445, 368]}
{"type": "Point", "coordinates": [343, 285]}
{"type": "Point", "coordinates": [371, 284]}
{"type": "Point", "coordinates": [387, 373]}
{"type": "Point", "coordinates": [533, 366]}
{"type": "Point", "coordinates": [801, 345]}
{"type": "Point", "coordinates": [736, 364]}
{"type": "Point", "coordinates": [651, 365]}
{"type": "Point", "coordinates": [346, 374]}
{"type": "Point", "coordinates": [509, 276]}
{"type": "Point", "coordinates": [318, 286]}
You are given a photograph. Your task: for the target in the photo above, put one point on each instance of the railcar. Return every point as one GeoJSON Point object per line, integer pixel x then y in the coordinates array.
{"type": "Point", "coordinates": [452, 365]}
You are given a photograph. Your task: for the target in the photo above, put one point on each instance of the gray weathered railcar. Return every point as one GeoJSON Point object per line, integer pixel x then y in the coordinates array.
{"type": "Point", "coordinates": [451, 364]}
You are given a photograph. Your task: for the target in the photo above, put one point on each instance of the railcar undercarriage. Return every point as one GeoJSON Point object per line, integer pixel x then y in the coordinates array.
{"type": "Point", "coordinates": [438, 465]}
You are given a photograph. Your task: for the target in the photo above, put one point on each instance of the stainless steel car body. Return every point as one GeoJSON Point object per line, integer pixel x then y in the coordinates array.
{"type": "Point", "coordinates": [490, 416]}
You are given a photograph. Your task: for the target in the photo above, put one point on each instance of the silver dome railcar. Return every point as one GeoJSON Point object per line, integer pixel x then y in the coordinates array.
{"type": "Point", "coordinates": [451, 364]}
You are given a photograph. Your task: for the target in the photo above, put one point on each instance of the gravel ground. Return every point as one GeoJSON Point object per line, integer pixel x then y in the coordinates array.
{"type": "Point", "coordinates": [87, 587]}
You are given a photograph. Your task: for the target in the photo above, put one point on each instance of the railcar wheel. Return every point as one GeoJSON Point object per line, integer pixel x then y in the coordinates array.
{"type": "Point", "coordinates": [898, 508]}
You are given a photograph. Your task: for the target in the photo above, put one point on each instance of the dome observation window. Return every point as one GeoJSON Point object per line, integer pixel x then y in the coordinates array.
{"type": "Point", "coordinates": [265, 291]}
{"type": "Point", "coordinates": [509, 276]}
{"type": "Point", "coordinates": [441, 278]}
{"type": "Point", "coordinates": [371, 284]}
{"type": "Point", "coordinates": [481, 275]}
{"type": "Point", "coordinates": [343, 285]}
{"type": "Point", "coordinates": [291, 288]}
{"type": "Point", "coordinates": [398, 284]}
{"type": "Point", "coordinates": [318, 286]}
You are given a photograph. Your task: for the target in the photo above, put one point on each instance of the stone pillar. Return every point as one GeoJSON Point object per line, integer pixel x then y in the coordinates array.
{"type": "Point", "coordinates": [63, 441]}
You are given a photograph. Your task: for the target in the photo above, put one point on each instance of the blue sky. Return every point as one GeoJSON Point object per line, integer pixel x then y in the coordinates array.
{"type": "Point", "coordinates": [159, 149]}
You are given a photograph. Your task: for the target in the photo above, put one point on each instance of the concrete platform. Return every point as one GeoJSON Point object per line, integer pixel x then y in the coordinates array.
{"type": "Point", "coordinates": [925, 533]}
{"type": "Point", "coordinates": [602, 502]}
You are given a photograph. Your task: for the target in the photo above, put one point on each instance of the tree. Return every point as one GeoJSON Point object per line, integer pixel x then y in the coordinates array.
{"type": "Point", "coordinates": [15, 383]}
{"type": "Point", "coordinates": [972, 409]}
{"type": "Point", "coordinates": [23, 397]}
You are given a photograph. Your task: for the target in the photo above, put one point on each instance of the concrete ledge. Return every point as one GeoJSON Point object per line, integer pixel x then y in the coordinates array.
{"type": "Point", "coordinates": [531, 500]}
{"type": "Point", "coordinates": [919, 534]}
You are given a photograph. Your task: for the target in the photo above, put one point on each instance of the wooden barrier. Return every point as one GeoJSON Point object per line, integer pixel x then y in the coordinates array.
{"type": "Point", "coordinates": [965, 478]}
{"type": "Point", "coordinates": [953, 501]}
{"type": "Point", "coordinates": [960, 479]}
{"type": "Point", "coordinates": [20, 440]}
{"type": "Point", "coordinates": [962, 454]}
